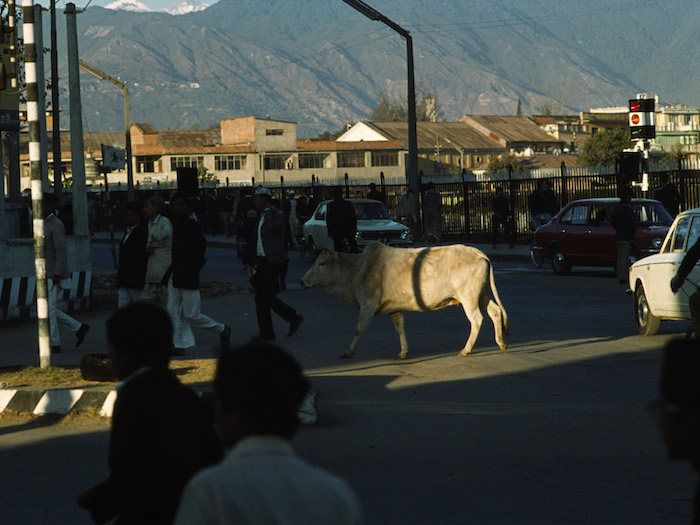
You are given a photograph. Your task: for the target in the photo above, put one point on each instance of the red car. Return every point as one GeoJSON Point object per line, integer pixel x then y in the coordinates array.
{"type": "Point", "coordinates": [582, 234]}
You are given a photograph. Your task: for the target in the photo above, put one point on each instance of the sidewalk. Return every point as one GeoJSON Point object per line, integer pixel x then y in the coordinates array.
{"type": "Point", "coordinates": [519, 252]}
{"type": "Point", "coordinates": [19, 340]}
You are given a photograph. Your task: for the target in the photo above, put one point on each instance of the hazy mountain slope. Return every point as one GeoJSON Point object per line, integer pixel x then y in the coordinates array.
{"type": "Point", "coordinates": [322, 64]}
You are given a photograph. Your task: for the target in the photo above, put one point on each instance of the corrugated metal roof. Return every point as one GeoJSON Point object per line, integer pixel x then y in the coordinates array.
{"type": "Point", "coordinates": [515, 130]}
{"type": "Point", "coordinates": [449, 135]}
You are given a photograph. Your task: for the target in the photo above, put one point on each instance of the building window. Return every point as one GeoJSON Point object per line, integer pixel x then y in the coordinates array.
{"type": "Point", "coordinates": [351, 159]}
{"type": "Point", "coordinates": [274, 132]}
{"type": "Point", "coordinates": [148, 164]}
{"type": "Point", "coordinates": [275, 162]}
{"type": "Point", "coordinates": [229, 162]}
{"type": "Point", "coordinates": [313, 160]}
{"type": "Point", "coordinates": [385, 158]}
{"type": "Point", "coordinates": [185, 162]}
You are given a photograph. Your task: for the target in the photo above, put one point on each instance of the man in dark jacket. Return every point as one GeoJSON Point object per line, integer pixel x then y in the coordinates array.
{"type": "Point", "coordinates": [184, 299]}
{"type": "Point", "coordinates": [623, 219]}
{"type": "Point", "coordinates": [341, 221]}
{"type": "Point", "coordinates": [689, 261]}
{"type": "Point", "coordinates": [131, 275]}
{"type": "Point", "coordinates": [161, 433]}
{"type": "Point", "coordinates": [543, 204]}
{"type": "Point", "coordinates": [270, 251]}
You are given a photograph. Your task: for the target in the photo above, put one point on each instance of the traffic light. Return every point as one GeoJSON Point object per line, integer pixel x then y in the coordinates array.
{"type": "Point", "coordinates": [642, 118]}
{"type": "Point", "coordinates": [630, 165]}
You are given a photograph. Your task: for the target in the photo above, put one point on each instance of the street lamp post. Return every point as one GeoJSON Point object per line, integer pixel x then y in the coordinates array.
{"type": "Point", "coordinates": [412, 172]}
{"type": "Point", "coordinates": [127, 118]}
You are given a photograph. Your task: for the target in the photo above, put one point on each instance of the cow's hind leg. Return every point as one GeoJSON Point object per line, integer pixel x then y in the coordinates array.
{"type": "Point", "coordinates": [397, 318]}
{"type": "Point", "coordinates": [496, 315]}
{"type": "Point", "coordinates": [475, 318]}
{"type": "Point", "coordinates": [363, 321]}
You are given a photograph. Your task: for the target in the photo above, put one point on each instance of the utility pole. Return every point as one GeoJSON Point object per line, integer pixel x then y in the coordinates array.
{"type": "Point", "coordinates": [412, 171]}
{"type": "Point", "coordinates": [55, 114]}
{"type": "Point", "coordinates": [42, 289]}
{"type": "Point", "coordinates": [80, 225]}
{"type": "Point", "coordinates": [127, 119]}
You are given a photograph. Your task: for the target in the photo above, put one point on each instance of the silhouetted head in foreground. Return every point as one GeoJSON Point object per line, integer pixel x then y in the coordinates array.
{"type": "Point", "coordinates": [139, 335]}
{"type": "Point", "coordinates": [258, 388]}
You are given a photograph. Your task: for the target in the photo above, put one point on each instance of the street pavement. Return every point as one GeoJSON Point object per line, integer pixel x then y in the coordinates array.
{"type": "Point", "coordinates": [556, 432]}
{"type": "Point", "coordinates": [19, 340]}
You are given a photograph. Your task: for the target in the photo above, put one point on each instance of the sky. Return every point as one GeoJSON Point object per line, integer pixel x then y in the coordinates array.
{"type": "Point", "coordinates": [155, 5]}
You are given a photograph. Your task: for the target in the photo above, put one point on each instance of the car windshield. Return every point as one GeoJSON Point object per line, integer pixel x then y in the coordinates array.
{"type": "Point", "coordinates": [370, 211]}
{"type": "Point", "coordinates": [650, 213]}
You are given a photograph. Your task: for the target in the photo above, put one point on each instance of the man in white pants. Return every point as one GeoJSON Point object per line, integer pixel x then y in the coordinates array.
{"type": "Point", "coordinates": [184, 299]}
{"type": "Point", "coordinates": [58, 277]}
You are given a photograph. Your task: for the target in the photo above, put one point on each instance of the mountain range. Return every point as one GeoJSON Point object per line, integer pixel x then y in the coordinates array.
{"type": "Point", "coordinates": [322, 64]}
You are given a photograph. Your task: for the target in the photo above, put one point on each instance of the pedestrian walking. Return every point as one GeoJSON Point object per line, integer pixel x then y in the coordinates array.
{"type": "Point", "coordinates": [158, 249]}
{"type": "Point", "coordinates": [668, 195]}
{"type": "Point", "coordinates": [270, 256]}
{"type": "Point", "coordinates": [406, 210]}
{"type": "Point", "coordinates": [229, 211]}
{"type": "Point", "coordinates": [501, 217]}
{"type": "Point", "coordinates": [375, 194]}
{"type": "Point", "coordinates": [341, 221]}
{"type": "Point", "coordinates": [543, 204]}
{"type": "Point", "coordinates": [258, 390]}
{"type": "Point", "coordinates": [131, 274]}
{"type": "Point", "coordinates": [623, 219]}
{"type": "Point", "coordinates": [161, 433]}
{"type": "Point", "coordinates": [58, 277]}
{"type": "Point", "coordinates": [293, 219]}
{"type": "Point", "coordinates": [432, 214]}
{"type": "Point", "coordinates": [184, 298]}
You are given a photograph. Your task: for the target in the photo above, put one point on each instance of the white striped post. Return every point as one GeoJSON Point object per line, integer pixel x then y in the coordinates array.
{"type": "Point", "coordinates": [42, 289]}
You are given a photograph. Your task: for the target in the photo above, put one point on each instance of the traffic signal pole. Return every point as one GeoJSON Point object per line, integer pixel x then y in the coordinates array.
{"type": "Point", "coordinates": [642, 121]}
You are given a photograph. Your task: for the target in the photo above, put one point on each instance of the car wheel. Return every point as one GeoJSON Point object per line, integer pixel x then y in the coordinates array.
{"type": "Point", "coordinates": [647, 323]}
{"type": "Point", "coordinates": [560, 264]}
{"type": "Point", "coordinates": [313, 249]}
{"type": "Point", "coordinates": [537, 256]}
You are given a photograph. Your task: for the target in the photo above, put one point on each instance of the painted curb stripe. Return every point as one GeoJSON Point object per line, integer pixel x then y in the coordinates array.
{"type": "Point", "coordinates": [57, 402]}
{"type": "Point", "coordinates": [67, 400]}
{"type": "Point", "coordinates": [5, 397]}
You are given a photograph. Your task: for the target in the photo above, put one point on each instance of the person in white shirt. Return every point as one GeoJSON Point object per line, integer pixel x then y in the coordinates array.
{"type": "Point", "coordinates": [158, 248]}
{"type": "Point", "coordinates": [258, 389]}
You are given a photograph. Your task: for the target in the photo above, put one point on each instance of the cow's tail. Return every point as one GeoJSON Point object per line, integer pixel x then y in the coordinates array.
{"type": "Point", "coordinates": [494, 291]}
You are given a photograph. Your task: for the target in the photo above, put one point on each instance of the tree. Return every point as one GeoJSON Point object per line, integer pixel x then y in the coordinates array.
{"type": "Point", "coordinates": [396, 109]}
{"type": "Point", "coordinates": [675, 154]}
{"type": "Point", "coordinates": [505, 163]}
{"type": "Point", "coordinates": [603, 149]}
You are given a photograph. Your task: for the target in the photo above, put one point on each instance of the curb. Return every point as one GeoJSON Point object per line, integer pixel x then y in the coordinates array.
{"type": "Point", "coordinates": [96, 400]}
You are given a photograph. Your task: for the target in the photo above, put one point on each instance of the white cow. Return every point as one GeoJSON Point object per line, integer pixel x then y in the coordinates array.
{"type": "Point", "coordinates": [384, 280]}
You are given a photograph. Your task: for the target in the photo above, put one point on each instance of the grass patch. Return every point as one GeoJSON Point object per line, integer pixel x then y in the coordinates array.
{"type": "Point", "coordinates": [189, 371]}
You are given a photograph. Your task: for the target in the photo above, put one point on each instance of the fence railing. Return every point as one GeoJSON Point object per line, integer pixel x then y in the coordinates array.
{"type": "Point", "coordinates": [466, 198]}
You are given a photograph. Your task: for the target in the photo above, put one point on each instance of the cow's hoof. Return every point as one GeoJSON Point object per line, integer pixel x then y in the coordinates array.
{"type": "Point", "coordinates": [463, 354]}
{"type": "Point", "coordinates": [401, 357]}
{"type": "Point", "coordinates": [346, 355]}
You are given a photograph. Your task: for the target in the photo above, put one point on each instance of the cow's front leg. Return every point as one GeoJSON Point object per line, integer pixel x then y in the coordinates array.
{"type": "Point", "coordinates": [397, 318]}
{"type": "Point", "coordinates": [365, 317]}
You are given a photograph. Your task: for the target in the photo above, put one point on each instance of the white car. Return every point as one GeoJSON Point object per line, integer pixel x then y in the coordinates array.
{"type": "Point", "coordinates": [650, 278]}
{"type": "Point", "coordinates": [373, 224]}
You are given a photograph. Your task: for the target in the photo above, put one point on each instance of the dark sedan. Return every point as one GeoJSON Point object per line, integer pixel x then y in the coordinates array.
{"type": "Point", "coordinates": [581, 234]}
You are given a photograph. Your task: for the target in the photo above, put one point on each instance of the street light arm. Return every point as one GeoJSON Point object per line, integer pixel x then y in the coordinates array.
{"type": "Point", "coordinates": [373, 14]}
{"type": "Point", "coordinates": [127, 121]}
{"type": "Point", "coordinates": [99, 74]}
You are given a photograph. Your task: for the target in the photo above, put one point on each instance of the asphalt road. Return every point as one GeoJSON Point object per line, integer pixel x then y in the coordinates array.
{"type": "Point", "coordinates": [554, 432]}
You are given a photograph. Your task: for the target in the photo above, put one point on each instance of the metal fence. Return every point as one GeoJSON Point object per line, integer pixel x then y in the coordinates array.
{"type": "Point", "coordinates": [466, 198]}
